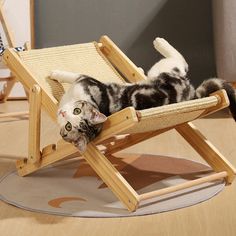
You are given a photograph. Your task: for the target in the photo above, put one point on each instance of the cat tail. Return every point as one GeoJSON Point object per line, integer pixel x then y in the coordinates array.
{"type": "Point", "coordinates": [167, 50]}
{"type": "Point", "coordinates": [212, 85]}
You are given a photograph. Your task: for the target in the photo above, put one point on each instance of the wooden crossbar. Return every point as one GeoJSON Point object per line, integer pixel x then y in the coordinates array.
{"type": "Point", "coordinates": [35, 99]}
{"type": "Point", "coordinates": [120, 60]}
{"type": "Point", "coordinates": [116, 123]}
{"type": "Point", "coordinates": [182, 186]}
{"type": "Point", "coordinates": [111, 176]}
{"type": "Point", "coordinates": [207, 150]}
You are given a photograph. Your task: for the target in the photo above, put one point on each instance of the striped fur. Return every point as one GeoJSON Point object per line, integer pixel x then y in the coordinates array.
{"type": "Point", "coordinates": [167, 83]}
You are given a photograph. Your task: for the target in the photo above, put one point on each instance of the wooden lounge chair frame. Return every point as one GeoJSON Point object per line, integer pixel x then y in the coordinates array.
{"type": "Point", "coordinates": [11, 79]}
{"type": "Point", "coordinates": [114, 135]}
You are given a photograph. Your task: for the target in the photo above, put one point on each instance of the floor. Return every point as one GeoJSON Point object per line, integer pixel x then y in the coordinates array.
{"type": "Point", "coordinates": [214, 217]}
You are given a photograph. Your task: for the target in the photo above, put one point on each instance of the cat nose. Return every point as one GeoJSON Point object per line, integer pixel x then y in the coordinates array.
{"type": "Point", "coordinates": [63, 113]}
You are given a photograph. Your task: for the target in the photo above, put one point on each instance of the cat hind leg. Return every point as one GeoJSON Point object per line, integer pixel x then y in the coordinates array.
{"type": "Point", "coordinates": [165, 49]}
{"type": "Point", "coordinates": [168, 51]}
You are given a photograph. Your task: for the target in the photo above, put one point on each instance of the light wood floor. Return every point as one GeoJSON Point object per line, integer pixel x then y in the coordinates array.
{"type": "Point", "coordinates": [215, 217]}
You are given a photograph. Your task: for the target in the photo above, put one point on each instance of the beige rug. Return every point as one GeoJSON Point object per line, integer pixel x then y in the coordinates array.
{"type": "Point", "coordinates": [73, 189]}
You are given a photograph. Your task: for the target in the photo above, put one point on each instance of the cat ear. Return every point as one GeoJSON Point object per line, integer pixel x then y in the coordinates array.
{"type": "Point", "coordinates": [97, 117]}
{"type": "Point", "coordinates": [81, 144]}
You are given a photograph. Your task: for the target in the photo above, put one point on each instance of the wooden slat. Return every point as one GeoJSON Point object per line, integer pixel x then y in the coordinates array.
{"type": "Point", "coordinates": [14, 63]}
{"type": "Point", "coordinates": [182, 186]}
{"type": "Point", "coordinates": [8, 87]}
{"type": "Point", "coordinates": [116, 123]}
{"type": "Point", "coordinates": [24, 167]}
{"type": "Point", "coordinates": [4, 78]}
{"type": "Point", "coordinates": [207, 150]}
{"type": "Point", "coordinates": [6, 28]}
{"type": "Point", "coordinates": [120, 60]}
{"type": "Point", "coordinates": [223, 102]}
{"type": "Point", "coordinates": [113, 179]}
{"type": "Point", "coordinates": [133, 139]}
{"type": "Point", "coordinates": [34, 154]}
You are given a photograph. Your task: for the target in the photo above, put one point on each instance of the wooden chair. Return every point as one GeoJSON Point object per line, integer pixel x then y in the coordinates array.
{"type": "Point", "coordinates": [10, 80]}
{"type": "Point", "coordinates": [105, 61]}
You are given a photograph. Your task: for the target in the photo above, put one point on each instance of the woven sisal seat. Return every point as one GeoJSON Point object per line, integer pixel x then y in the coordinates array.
{"type": "Point", "coordinates": [107, 63]}
{"type": "Point", "coordinates": [81, 58]}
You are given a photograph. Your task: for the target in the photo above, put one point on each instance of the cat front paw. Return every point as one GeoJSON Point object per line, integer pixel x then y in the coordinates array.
{"type": "Point", "coordinates": [56, 75]}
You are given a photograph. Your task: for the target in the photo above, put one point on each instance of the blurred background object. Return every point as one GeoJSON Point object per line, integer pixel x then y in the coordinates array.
{"type": "Point", "coordinates": [224, 15]}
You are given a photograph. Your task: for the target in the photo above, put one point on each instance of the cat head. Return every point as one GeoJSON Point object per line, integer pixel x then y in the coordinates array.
{"type": "Point", "coordinates": [80, 122]}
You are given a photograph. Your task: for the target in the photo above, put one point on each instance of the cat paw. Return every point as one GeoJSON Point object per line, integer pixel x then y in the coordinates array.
{"type": "Point", "coordinates": [160, 43]}
{"type": "Point", "coordinates": [55, 75]}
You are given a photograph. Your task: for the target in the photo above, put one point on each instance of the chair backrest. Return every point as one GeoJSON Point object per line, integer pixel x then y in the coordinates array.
{"type": "Point", "coordinates": [81, 58]}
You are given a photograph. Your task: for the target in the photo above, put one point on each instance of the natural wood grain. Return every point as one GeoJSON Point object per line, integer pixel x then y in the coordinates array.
{"type": "Point", "coordinates": [34, 124]}
{"type": "Point", "coordinates": [120, 60]}
{"type": "Point", "coordinates": [207, 150]}
{"type": "Point", "coordinates": [185, 185]}
{"type": "Point", "coordinates": [27, 79]}
{"type": "Point", "coordinates": [111, 177]}
{"type": "Point", "coordinates": [11, 80]}
{"type": "Point", "coordinates": [116, 123]}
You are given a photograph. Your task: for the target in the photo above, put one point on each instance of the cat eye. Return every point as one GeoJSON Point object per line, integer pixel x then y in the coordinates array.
{"type": "Point", "coordinates": [68, 126]}
{"type": "Point", "coordinates": [76, 111]}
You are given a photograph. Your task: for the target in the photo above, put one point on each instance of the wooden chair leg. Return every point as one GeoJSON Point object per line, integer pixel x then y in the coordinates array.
{"type": "Point", "coordinates": [50, 154]}
{"type": "Point", "coordinates": [207, 150]}
{"type": "Point", "coordinates": [10, 82]}
{"type": "Point", "coordinates": [111, 177]}
{"type": "Point", "coordinates": [35, 99]}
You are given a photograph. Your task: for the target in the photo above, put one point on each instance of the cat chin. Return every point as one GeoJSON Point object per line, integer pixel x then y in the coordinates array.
{"type": "Point", "coordinates": [81, 144]}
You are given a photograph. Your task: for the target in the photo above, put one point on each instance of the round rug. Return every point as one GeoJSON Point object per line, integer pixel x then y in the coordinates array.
{"type": "Point", "coordinates": [72, 188]}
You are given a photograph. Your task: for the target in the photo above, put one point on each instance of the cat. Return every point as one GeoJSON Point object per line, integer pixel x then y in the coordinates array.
{"type": "Point", "coordinates": [86, 105]}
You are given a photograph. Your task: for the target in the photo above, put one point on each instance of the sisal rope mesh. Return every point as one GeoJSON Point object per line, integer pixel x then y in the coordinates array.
{"type": "Point", "coordinates": [87, 59]}
{"type": "Point", "coordinates": [171, 115]}
{"type": "Point", "coordinates": [81, 58]}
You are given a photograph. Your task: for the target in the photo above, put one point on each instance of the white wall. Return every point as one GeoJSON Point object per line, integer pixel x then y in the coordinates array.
{"type": "Point", "coordinates": [18, 17]}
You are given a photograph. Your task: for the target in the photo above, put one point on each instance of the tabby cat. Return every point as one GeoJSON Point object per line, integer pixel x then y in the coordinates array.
{"type": "Point", "coordinates": [86, 105]}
